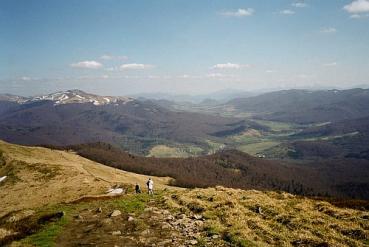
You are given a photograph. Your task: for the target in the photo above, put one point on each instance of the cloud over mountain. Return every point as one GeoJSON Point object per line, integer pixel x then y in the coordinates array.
{"type": "Point", "coordinates": [135, 66]}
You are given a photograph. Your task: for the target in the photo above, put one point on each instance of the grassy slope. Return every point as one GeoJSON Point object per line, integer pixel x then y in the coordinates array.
{"type": "Point", "coordinates": [254, 218]}
{"type": "Point", "coordinates": [41, 176]}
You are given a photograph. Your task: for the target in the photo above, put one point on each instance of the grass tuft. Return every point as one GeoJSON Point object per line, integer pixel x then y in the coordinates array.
{"type": "Point", "coordinates": [46, 237]}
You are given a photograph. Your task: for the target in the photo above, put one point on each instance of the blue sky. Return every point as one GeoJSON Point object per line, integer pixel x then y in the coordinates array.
{"type": "Point", "coordinates": [125, 47]}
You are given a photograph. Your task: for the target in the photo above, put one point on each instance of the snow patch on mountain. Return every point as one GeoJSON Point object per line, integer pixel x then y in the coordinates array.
{"type": "Point", "coordinates": [78, 96]}
{"type": "Point", "coordinates": [69, 97]}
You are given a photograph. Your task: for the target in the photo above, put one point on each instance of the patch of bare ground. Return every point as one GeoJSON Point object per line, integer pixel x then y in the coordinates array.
{"type": "Point", "coordinates": [149, 225]}
{"type": "Point", "coordinates": [128, 220]}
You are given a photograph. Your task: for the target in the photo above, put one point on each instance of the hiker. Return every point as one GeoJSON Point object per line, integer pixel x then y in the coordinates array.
{"type": "Point", "coordinates": [137, 189]}
{"type": "Point", "coordinates": [150, 186]}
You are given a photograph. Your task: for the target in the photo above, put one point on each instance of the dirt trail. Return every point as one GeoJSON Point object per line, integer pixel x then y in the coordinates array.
{"type": "Point", "coordinates": [90, 228]}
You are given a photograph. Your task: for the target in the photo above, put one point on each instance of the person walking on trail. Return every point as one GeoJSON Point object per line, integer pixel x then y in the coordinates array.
{"type": "Point", "coordinates": [150, 186]}
{"type": "Point", "coordinates": [137, 189]}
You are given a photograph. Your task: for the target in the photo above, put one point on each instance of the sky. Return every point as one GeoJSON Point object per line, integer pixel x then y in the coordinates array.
{"type": "Point", "coordinates": [121, 47]}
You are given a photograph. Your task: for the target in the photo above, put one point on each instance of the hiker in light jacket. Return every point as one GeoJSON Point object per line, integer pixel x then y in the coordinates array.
{"type": "Point", "coordinates": [150, 186]}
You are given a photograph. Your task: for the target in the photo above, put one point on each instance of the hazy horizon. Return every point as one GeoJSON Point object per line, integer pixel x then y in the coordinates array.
{"type": "Point", "coordinates": [182, 47]}
{"type": "Point", "coordinates": [165, 95]}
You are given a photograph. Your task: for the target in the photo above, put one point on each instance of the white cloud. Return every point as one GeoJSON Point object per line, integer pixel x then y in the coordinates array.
{"type": "Point", "coordinates": [87, 65]}
{"type": "Point", "coordinates": [332, 64]}
{"type": "Point", "coordinates": [357, 16]}
{"type": "Point", "coordinates": [357, 6]}
{"type": "Point", "coordinates": [135, 66]}
{"type": "Point", "coordinates": [328, 30]}
{"type": "Point", "coordinates": [269, 71]}
{"type": "Point", "coordinates": [239, 12]}
{"type": "Point", "coordinates": [299, 5]}
{"type": "Point", "coordinates": [230, 66]}
{"type": "Point", "coordinates": [110, 57]}
{"type": "Point", "coordinates": [287, 12]}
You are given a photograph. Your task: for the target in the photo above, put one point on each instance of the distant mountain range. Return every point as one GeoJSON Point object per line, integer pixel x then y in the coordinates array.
{"type": "Point", "coordinates": [74, 116]}
{"type": "Point", "coordinates": [303, 106]}
{"type": "Point", "coordinates": [336, 122]}
{"type": "Point", "coordinates": [218, 96]}
{"type": "Point", "coordinates": [67, 97]}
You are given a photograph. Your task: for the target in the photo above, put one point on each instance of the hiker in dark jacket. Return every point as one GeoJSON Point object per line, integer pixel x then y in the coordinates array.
{"type": "Point", "coordinates": [137, 189]}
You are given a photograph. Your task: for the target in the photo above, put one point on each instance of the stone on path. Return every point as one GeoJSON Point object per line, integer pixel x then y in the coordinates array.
{"type": "Point", "coordinates": [115, 213]}
{"type": "Point", "coordinates": [2, 178]}
{"type": "Point", "coordinates": [193, 242]}
{"type": "Point", "coordinates": [115, 233]}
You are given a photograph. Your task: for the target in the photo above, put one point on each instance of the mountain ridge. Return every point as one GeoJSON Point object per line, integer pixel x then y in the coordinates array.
{"type": "Point", "coordinates": [305, 106]}
{"type": "Point", "coordinates": [68, 97]}
{"type": "Point", "coordinates": [132, 124]}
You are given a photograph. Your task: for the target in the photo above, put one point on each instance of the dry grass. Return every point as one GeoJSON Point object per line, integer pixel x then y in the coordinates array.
{"type": "Point", "coordinates": [41, 176]}
{"type": "Point", "coordinates": [254, 218]}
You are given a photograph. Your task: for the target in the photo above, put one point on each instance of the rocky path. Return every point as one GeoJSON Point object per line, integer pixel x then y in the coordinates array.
{"type": "Point", "coordinates": [154, 226]}
{"type": "Point", "coordinates": [128, 220]}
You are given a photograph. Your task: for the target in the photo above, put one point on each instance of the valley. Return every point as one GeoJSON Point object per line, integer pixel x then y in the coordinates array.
{"type": "Point", "coordinates": [179, 129]}
{"type": "Point", "coordinates": [242, 147]}
{"type": "Point", "coordinates": [332, 122]}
